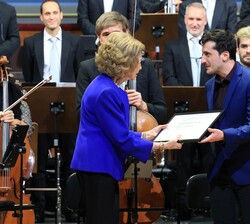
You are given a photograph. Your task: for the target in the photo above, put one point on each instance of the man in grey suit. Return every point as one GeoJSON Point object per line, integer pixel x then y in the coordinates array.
{"type": "Point", "coordinates": [180, 58]}
{"type": "Point", "coordinates": [221, 14]}
{"type": "Point", "coordinates": [37, 64]}
{"type": "Point", "coordinates": [9, 32]}
{"type": "Point", "coordinates": [89, 11]}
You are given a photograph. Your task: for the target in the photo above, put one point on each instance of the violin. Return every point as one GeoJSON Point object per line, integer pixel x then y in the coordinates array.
{"type": "Point", "coordinates": [10, 178]}
{"type": "Point", "coordinates": [150, 194]}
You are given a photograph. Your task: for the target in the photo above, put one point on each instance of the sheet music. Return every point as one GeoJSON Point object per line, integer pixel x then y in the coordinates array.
{"type": "Point", "coordinates": [65, 84]}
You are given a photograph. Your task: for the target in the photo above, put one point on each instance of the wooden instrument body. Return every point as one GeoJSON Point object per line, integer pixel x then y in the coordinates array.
{"type": "Point", "coordinates": [149, 190]}
{"type": "Point", "coordinates": [10, 190]}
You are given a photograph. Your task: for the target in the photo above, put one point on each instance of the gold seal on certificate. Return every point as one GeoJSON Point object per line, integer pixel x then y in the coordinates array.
{"type": "Point", "coordinates": [191, 127]}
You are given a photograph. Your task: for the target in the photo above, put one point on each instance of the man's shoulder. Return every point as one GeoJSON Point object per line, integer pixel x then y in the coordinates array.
{"type": "Point", "coordinates": [174, 44]}
{"type": "Point", "coordinates": [5, 6]}
{"type": "Point", "coordinates": [88, 62]}
{"type": "Point", "coordinates": [245, 71]}
{"type": "Point", "coordinates": [187, 2]}
{"type": "Point", "coordinates": [70, 35]}
{"type": "Point", "coordinates": [36, 36]}
{"type": "Point", "coordinates": [231, 2]}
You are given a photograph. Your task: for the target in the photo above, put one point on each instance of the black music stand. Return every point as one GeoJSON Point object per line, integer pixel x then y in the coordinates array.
{"type": "Point", "coordinates": [16, 147]}
{"type": "Point", "coordinates": [54, 121]}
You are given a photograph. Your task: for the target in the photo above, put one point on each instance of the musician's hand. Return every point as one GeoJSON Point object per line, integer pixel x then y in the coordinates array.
{"type": "Point", "coordinates": [177, 4]}
{"type": "Point", "coordinates": [135, 99]}
{"type": "Point", "coordinates": [215, 136]}
{"type": "Point", "coordinates": [151, 134]}
{"type": "Point", "coordinates": [7, 116]}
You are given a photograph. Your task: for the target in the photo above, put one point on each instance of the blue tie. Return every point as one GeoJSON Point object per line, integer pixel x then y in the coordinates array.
{"type": "Point", "coordinates": [54, 61]}
{"type": "Point", "coordinates": [195, 55]}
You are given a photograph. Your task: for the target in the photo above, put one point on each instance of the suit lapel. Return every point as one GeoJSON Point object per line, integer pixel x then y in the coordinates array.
{"type": "Point", "coordinates": [38, 46]}
{"type": "Point", "coordinates": [231, 88]}
{"type": "Point", "coordinates": [100, 3]}
{"type": "Point", "coordinates": [218, 11]}
{"type": "Point", "coordinates": [114, 6]}
{"type": "Point", "coordinates": [202, 75]}
{"type": "Point", "coordinates": [210, 93]}
{"type": "Point", "coordinates": [186, 55]}
{"type": "Point", "coordinates": [65, 51]}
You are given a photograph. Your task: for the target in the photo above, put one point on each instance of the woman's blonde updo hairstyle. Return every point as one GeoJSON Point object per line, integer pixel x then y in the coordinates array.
{"type": "Point", "coordinates": [118, 55]}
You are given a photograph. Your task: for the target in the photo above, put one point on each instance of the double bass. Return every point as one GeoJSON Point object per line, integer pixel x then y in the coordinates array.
{"type": "Point", "coordinates": [10, 178]}
{"type": "Point", "coordinates": [150, 195]}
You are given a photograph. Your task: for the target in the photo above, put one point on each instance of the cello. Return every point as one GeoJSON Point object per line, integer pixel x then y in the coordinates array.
{"type": "Point", "coordinates": [10, 178]}
{"type": "Point", "coordinates": [150, 196]}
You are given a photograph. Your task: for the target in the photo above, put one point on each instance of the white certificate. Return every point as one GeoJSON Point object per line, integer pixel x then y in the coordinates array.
{"type": "Point", "coordinates": [191, 127]}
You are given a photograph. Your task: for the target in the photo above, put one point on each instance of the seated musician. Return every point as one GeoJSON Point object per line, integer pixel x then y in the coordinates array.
{"type": "Point", "coordinates": [20, 113]}
{"type": "Point", "coordinates": [14, 116]}
{"type": "Point", "coordinates": [148, 95]}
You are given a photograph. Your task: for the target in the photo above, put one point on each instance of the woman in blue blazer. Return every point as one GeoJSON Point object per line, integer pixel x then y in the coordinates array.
{"type": "Point", "coordinates": [104, 140]}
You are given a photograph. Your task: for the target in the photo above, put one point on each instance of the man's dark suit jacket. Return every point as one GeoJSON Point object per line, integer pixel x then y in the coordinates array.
{"type": "Point", "coordinates": [151, 6]}
{"type": "Point", "coordinates": [245, 9]}
{"type": "Point", "coordinates": [147, 83]}
{"type": "Point", "coordinates": [33, 57]}
{"type": "Point", "coordinates": [225, 16]}
{"type": "Point", "coordinates": [177, 70]}
{"type": "Point", "coordinates": [90, 10]}
{"type": "Point", "coordinates": [9, 32]}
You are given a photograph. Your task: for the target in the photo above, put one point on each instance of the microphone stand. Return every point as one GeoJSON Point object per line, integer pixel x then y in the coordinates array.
{"type": "Point", "coordinates": [56, 108]}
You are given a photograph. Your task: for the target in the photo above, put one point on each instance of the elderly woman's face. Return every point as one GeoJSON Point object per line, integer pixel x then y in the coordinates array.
{"type": "Point", "coordinates": [132, 74]}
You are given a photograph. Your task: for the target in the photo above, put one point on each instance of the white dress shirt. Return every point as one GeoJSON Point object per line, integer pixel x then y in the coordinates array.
{"type": "Point", "coordinates": [47, 45]}
{"type": "Point", "coordinates": [195, 58]}
{"type": "Point", "coordinates": [108, 4]}
{"type": "Point", "coordinates": [209, 5]}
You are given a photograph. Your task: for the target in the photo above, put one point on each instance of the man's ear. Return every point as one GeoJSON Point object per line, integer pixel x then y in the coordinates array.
{"type": "Point", "coordinates": [225, 56]}
{"type": "Point", "coordinates": [41, 18]}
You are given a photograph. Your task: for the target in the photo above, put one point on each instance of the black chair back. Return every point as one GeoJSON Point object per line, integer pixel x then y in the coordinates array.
{"type": "Point", "coordinates": [73, 193]}
{"type": "Point", "coordinates": [197, 192]}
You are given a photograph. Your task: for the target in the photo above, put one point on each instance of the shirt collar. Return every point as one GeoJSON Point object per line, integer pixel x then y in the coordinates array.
{"type": "Point", "coordinates": [227, 78]}
{"type": "Point", "coordinates": [189, 36]}
{"type": "Point", "coordinates": [47, 36]}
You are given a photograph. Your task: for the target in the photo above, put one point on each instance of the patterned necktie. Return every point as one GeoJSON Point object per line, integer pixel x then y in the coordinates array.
{"type": "Point", "coordinates": [195, 55]}
{"type": "Point", "coordinates": [54, 61]}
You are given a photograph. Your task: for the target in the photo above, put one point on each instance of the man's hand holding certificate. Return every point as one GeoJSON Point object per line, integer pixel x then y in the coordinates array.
{"type": "Point", "coordinates": [191, 127]}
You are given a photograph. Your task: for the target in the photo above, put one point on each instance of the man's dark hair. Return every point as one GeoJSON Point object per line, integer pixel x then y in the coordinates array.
{"type": "Point", "coordinates": [224, 41]}
{"type": "Point", "coordinates": [41, 7]}
{"type": "Point", "coordinates": [243, 23]}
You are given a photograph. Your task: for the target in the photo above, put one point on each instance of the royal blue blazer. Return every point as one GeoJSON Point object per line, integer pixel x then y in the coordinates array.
{"type": "Point", "coordinates": [235, 123]}
{"type": "Point", "coordinates": [104, 140]}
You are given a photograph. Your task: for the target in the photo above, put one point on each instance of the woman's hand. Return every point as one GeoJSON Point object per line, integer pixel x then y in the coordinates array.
{"type": "Point", "coordinates": [171, 144]}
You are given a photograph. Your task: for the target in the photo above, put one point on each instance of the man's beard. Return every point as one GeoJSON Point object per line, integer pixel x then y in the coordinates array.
{"type": "Point", "coordinates": [245, 62]}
